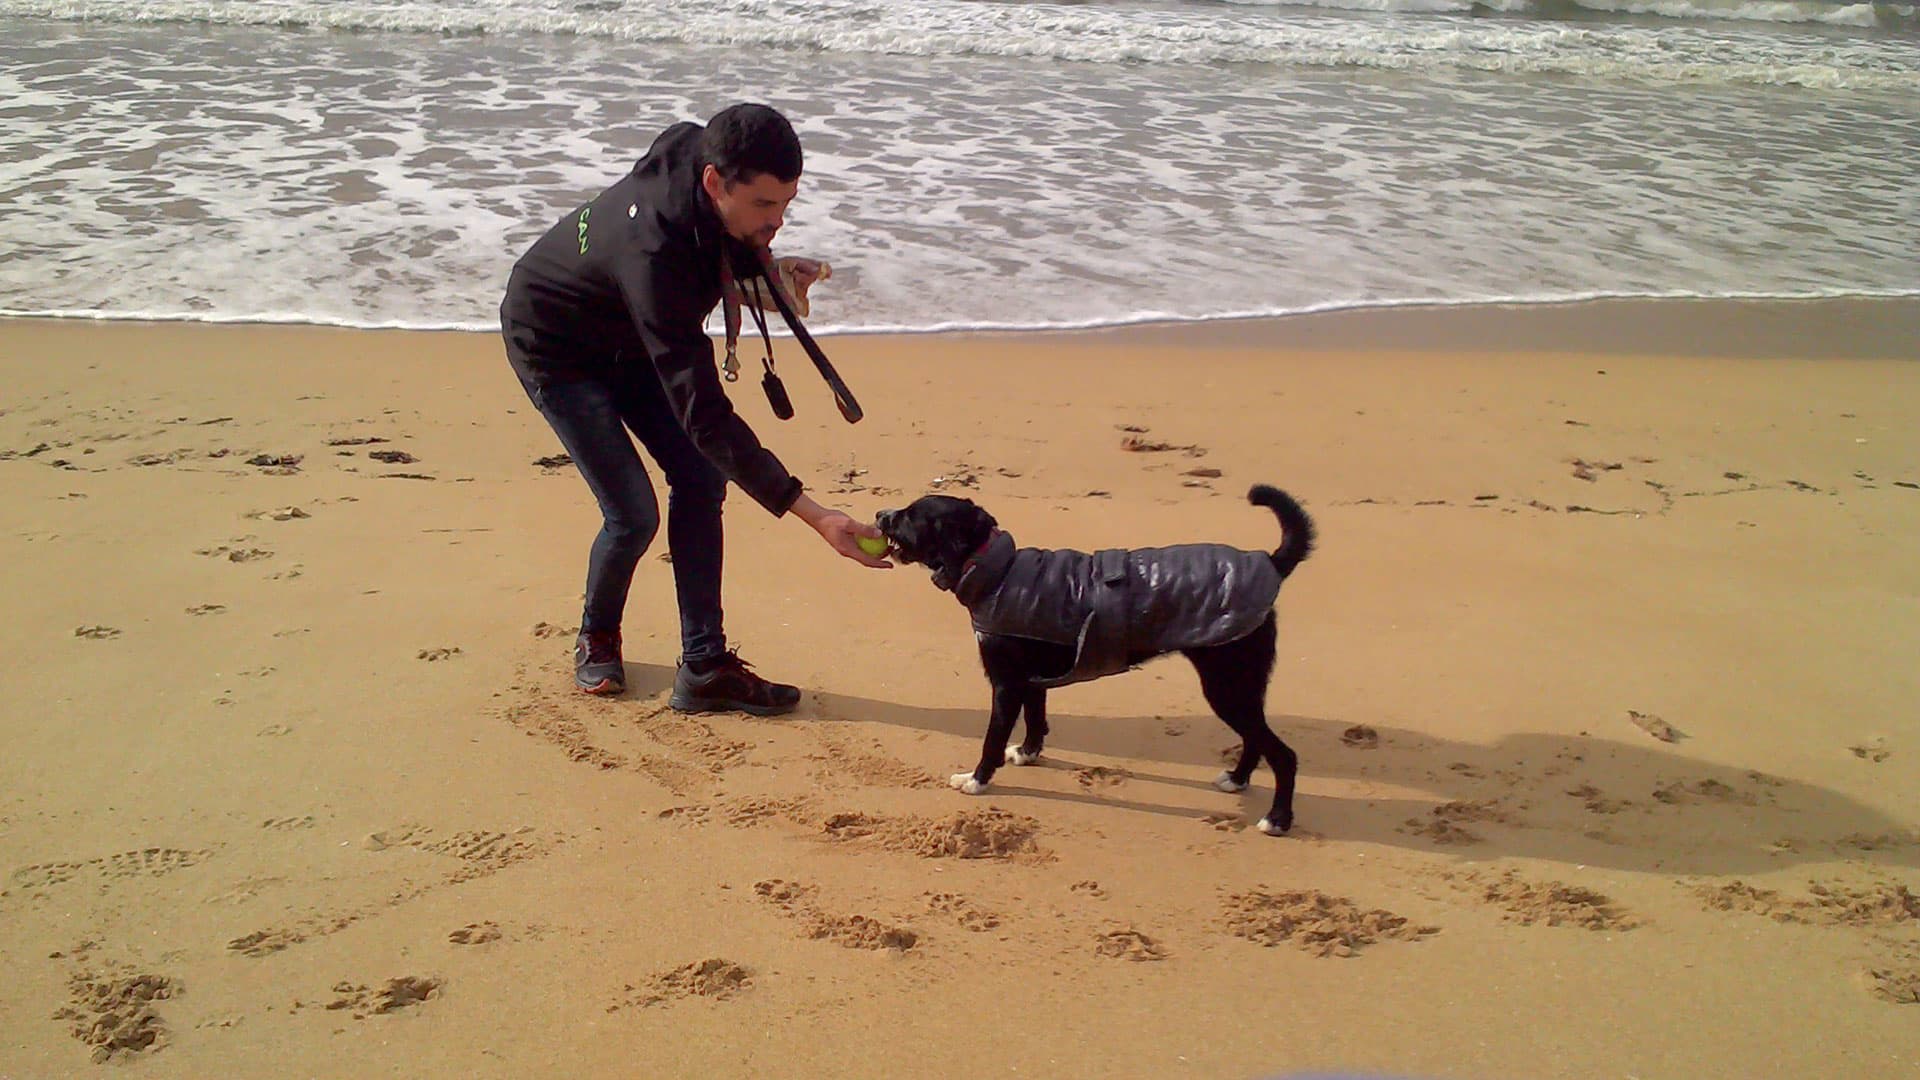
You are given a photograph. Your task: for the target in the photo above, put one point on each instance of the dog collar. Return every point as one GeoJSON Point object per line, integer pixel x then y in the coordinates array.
{"type": "Point", "coordinates": [949, 581]}
{"type": "Point", "coordinates": [946, 582]}
{"type": "Point", "coordinates": [984, 569]}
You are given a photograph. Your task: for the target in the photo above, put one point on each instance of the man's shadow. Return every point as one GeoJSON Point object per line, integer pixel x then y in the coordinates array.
{"type": "Point", "coordinates": [1577, 800]}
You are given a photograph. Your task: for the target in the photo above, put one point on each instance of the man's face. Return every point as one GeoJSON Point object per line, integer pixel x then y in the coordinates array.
{"type": "Point", "coordinates": [751, 210]}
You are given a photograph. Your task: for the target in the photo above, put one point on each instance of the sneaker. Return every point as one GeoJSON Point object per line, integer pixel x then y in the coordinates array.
{"type": "Point", "coordinates": [597, 667]}
{"type": "Point", "coordinates": [730, 685]}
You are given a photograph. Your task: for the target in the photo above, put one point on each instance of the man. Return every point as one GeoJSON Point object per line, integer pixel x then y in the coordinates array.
{"type": "Point", "coordinates": [604, 321]}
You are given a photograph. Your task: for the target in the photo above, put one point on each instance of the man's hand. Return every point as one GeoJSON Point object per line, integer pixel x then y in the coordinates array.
{"type": "Point", "coordinates": [802, 273]}
{"type": "Point", "coordinates": [839, 531]}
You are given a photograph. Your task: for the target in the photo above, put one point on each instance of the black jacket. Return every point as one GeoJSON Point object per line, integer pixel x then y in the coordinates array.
{"type": "Point", "coordinates": [1116, 606]}
{"type": "Point", "coordinates": [630, 278]}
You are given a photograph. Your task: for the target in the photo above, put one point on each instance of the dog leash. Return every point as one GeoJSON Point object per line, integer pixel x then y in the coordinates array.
{"type": "Point", "coordinates": [731, 297]}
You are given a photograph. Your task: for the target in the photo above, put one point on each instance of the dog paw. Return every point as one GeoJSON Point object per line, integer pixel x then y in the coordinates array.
{"type": "Point", "coordinates": [964, 783]}
{"type": "Point", "coordinates": [1267, 826]}
{"type": "Point", "coordinates": [1017, 756]}
{"type": "Point", "coordinates": [1225, 782]}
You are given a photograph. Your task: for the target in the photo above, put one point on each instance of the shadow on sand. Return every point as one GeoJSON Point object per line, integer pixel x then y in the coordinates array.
{"type": "Point", "coordinates": [1580, 800]}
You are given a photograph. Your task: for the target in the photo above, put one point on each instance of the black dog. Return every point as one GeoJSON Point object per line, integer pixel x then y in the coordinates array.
{"type": "Point", "coordinates": [1049, 618]}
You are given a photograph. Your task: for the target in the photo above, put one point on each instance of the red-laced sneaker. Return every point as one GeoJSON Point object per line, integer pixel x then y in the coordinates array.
{"type": "Point", "coordinates": [729, 685]}
{"type": "Point", "coordinates": [597, 667]}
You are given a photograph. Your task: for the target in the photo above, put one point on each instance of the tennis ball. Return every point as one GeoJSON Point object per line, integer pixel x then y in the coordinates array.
{"type": "Point", "coordinates": [872, 545]}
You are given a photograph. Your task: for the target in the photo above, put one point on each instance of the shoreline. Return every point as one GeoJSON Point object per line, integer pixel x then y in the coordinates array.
{"type": "Point", "coordinates": [1875, 325]}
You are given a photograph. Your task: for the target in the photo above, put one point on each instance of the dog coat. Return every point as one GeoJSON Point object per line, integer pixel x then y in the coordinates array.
{"type": "Point", "coordinates": [1117, 603]}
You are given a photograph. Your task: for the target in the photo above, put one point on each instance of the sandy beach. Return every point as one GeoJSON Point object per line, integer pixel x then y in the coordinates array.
{"type": "Point", "coordinates": [1602, 680]}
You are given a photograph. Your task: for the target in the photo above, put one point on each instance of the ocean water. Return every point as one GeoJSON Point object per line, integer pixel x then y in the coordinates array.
{"type": "Point", "coordinates": [969, 164]}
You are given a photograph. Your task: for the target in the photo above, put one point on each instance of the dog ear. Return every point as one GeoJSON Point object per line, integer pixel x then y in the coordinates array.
{"type": "Point", "coordinates": [984, 524]}
{"type": "Point", "coordinates": [960, 533]}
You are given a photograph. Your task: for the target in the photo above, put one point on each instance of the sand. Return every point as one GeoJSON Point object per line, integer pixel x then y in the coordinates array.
{"type": "Point", "coordinates": [1602, 681]}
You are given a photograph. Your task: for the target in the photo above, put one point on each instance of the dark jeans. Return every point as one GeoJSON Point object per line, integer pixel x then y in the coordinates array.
{"type": "Point", "coordinates": [592, 417]}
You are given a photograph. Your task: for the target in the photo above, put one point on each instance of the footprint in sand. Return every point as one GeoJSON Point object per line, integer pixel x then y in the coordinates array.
{"type": "Point", "coordinates": [963, 911]}
{"type": "Point", "coordinates": [233, 554]}
{"type": "Point", "coordinates": [1129, 944]}
{"type": "Point", "coordinates": [96, 633]}
{"type": "Point", "coordinates": [716, 979]}
{"type": "Point", "coordinates": [1322, 925]}
{"type": "Point", "coordinates": [1223, 821]}
{"type": "Point", "coordinates": [245, 890]}
{"type": "Point", "coordinates": [693, 738]}
{"type": "Point", "coordinates": [967, 834]}
{"type": "Point", "coordinates": [146, 862]}
{"type": "Point", "coordinates": [267, 942]}
{"type": "Point", "coordinates": [1443, 825]}
{"type": "Point", "coordinates": [1596, 801]}
{"type": "Point", "coordinates": [116, 1015]}
{"type": "Point", "coordinates": [1881, 904]}
{"type": "Point", "coordinates": [1360, 737]}
{"type": "Point", "coordinates": [1551, 902]}
{"type": "Point", "coordinates": [795, 900]}
{"type": "Point", "coordinates": [480, 854]}
{"type": "Point", "coordinates": [574, 726]}
{"type": "Point", "coordinates": [1899, 985]}
{"type": "Point", "coordinates": [1088, 888]}
{"type": "Point", "coordinates": [872, 767]}
{"type": "Point", "coordinates": [1440, 831]}
{"type": "Point", "coordinates": [1678, 792]}
{"type": "Point", "coordinates": [207, 609]}
{"type": "Point", "coordinates": [475, 934]}
{"type": "Point", "coordinates": [431, 655]}
{"type": "Point", "coordinates": [483, 850]}
{"type": "Point", "coordinates": [1101, 776]}
{"type": "Point", "coordinates": [1886, 841]}
{"type": "Point", "coordinates": [405, 992]}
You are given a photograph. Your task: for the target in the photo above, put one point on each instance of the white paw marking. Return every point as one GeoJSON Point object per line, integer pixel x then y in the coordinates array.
{"type": "Point", "coordinates": [1225, 782]}
{"type": "Point", "coordinates": [964, 783]}
{"type": "Point", "coordinates": [1017, 756]}
{"type": "Point", "coordinates": [1269, 827]}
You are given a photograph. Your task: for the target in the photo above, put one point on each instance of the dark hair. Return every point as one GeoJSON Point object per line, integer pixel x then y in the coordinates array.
{"type": "Point", "coordinates": [742, 141]}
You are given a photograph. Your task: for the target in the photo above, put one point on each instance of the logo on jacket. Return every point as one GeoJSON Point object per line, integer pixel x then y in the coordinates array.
{"type": "Point", "coordinates": [584, 211]}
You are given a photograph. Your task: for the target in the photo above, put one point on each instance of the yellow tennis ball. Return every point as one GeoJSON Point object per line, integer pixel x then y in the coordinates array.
{"type": "Point", "coordinates": [872, 545]}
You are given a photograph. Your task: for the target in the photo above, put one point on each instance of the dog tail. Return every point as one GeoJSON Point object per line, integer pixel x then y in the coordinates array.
{"type": "Point", "coordinates": [1296, 527]}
